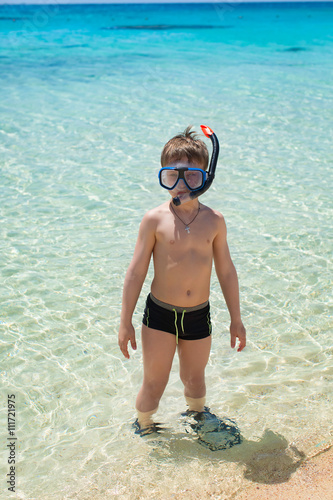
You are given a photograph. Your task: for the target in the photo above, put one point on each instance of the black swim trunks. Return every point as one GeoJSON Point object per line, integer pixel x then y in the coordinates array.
{"type": "Point", "coordinates": [187, 323]}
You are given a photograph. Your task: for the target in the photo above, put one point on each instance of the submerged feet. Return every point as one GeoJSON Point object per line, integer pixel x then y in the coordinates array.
{"type": "Point", "coordinates": [146, 430]}
{"type": "Point", "coordinates": [213, 432]}
{"type": "Point", "coordinates": [145, 424]}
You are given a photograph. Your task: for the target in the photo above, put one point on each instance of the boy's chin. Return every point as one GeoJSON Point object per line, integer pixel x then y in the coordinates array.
{"type": "Point", "coordinates": [182, 197]}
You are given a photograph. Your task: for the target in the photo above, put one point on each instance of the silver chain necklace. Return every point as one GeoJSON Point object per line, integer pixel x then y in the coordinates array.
{"type": "Point", "coordinates": [187, 226]}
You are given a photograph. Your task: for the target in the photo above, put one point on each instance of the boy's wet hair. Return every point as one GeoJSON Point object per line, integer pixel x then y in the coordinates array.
{"type": "Point", "coordinates": [185, 144]}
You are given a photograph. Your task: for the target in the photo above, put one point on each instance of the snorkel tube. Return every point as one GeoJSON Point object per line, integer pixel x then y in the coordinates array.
{"type": "Point", "coordinates": [183, 198]}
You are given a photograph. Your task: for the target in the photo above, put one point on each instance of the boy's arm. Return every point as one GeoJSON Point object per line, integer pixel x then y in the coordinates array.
{"type": "Point", "coordinates": [227, 277]}
{"type": "Point", "coordinates": [134, 279]}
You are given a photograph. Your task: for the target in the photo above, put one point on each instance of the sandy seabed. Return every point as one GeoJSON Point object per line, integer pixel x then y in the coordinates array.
{"type": "Point", "coordinates": [313, 480]}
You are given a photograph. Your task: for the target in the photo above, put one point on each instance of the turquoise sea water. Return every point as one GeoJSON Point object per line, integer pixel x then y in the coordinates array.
{"type": "Point", "coordinates": [89, 96]}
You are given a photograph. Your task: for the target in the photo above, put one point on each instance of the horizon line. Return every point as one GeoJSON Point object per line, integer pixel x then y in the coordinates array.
{"type": "Point", "coordinates": [146, 2]}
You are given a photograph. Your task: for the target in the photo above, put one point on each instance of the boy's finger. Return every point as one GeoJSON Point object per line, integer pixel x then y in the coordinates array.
{"type": "Point", "coordinates": [242, 344]}
{"type": "Point", "coordinates": [125, 353]}
{"type": "Point", "coordinates": [124, 350]}
{"type": "Point", "coordinates": [232, 341]}
{"type": "Point", "coordinates": [133, 345]}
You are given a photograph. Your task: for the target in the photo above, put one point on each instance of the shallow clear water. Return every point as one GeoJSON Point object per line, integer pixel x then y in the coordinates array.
{"type": "Point", "coordinates": [89, 96]}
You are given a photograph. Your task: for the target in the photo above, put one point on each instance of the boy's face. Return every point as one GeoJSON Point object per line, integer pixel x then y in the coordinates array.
{"type": "Point", "coordinates": [181, 188]}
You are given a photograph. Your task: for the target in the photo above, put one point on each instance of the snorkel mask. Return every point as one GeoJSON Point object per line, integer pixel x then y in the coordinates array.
{"type": "Point", "coordinates": [195, 179]}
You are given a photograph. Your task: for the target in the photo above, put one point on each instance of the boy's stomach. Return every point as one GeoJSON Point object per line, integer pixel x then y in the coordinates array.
{"type": "Point", "coordinates": [178, 290]}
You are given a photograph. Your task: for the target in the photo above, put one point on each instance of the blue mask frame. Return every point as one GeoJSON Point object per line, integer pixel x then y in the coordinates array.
{"type": "Point", "coordinates": [181, 175]}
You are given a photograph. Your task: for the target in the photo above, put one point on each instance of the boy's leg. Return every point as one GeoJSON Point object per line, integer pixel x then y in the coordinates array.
{"type": "Point", "coordinates": [193, 358]}
{"type": "Point", "coordinates": [158, 349]}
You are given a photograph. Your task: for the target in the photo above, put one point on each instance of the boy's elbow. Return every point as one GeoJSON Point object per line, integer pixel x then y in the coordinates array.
{"type": "Point", "coordinates": [228, 274]}
{"type": "Point", "coordinates": [136, 273]}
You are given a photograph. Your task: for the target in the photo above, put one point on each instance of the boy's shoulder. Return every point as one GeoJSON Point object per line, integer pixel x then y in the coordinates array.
{"type": "Point", "coordinates": [154, 215]}
{"type": "Point", "coordinates": [157, 212]}
{"type": "Point", "coordinates": [214, 216]}
{"type": "Point", "coordinates": [211, 211]}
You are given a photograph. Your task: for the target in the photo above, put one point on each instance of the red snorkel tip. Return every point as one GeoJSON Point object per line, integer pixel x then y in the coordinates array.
{"type": "Point", "coordinates": [206, 130]}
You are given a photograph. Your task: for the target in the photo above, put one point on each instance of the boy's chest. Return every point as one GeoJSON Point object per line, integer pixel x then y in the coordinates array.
{"type": "Point", "coordinates": [184, 238]}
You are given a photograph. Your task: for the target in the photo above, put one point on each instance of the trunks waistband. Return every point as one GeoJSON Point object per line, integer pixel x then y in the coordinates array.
{"type": "Point", "coordinates": [178, 309]}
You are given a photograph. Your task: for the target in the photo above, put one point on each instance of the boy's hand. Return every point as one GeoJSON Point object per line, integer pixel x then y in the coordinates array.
{"type": "Point", "coordinates": [126, 334]}
{"type": "Point", "coordinates": [237, 330]}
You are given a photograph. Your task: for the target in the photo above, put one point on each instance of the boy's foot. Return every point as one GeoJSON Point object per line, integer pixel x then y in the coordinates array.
{"type": "Point", "coordinates": [213, 432]}
{"type": "Point", "coordinates": [151, 429]}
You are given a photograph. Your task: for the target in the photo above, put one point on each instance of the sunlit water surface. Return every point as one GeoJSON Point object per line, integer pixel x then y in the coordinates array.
{"type": "Point", "coordinates": [89, 96]}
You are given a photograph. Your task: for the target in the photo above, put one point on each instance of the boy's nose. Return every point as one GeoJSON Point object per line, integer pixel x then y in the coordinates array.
{"type": "Point", "coordinates": [181, 183]}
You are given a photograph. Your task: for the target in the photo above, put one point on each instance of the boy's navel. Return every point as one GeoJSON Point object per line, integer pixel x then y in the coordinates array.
{"type": "Point", "coordinates": [188, 292]}
{"type": "Point", "coordinates": [172, 242]}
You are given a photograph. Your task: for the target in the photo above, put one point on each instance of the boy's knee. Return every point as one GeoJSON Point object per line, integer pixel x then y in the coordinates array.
{"type": "Point", "coordinates": [196, 381]}
{"type": "Point", "coordinates": [155, 387]}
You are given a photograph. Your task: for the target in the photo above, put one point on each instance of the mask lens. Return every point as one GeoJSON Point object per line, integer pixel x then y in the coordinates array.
{"type": "Point", "coordinates": [169, 178]}
{"type": "Point", "coordinates": [194, 178]}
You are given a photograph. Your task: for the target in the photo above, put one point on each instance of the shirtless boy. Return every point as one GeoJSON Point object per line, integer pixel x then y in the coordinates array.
{"type": "Point", "coordinates": [183, 240]}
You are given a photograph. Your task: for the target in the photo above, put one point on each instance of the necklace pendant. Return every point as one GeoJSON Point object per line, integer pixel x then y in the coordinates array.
{"type": "Point", "coordinates": [187, 229]}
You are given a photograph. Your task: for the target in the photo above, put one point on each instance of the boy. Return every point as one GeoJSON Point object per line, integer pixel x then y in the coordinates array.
{"type": "Point", "coordinates": [184, 240]}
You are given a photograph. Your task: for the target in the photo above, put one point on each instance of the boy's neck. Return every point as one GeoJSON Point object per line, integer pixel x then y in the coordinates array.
{"type": "Point", "coordinates": [189, 207]}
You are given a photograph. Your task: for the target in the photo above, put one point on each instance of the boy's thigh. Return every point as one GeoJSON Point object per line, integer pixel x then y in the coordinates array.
{"type": "Point", "coordinates": [158, 349]}
{"type": "Point", "coordinates": [194, 354]}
